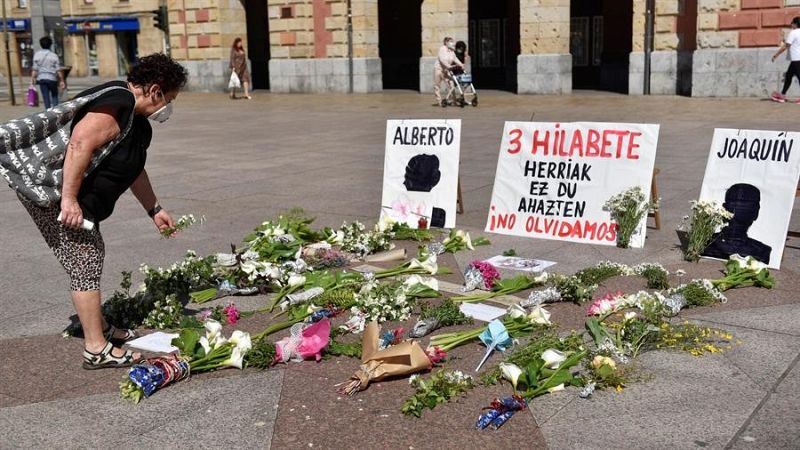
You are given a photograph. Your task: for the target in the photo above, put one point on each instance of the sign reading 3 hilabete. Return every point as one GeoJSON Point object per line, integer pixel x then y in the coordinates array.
{"type": "Point", "coordinates": [554, 178]}
{"type": "Point", "coordinates": [754, 175]}
{"type": "Point", "coordinates": [420, 171]}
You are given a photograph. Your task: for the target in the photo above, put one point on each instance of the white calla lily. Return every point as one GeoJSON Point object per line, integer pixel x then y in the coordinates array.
{"type": "Point", "coordinates": [236, 359]}
{"type": "Point", "coordinates": [511, 372]}
{"type": "Point", "coordinates": [248, 267]}
{"type": "Point", "coordinates": [385, 223]}
{"type": "Point", "coordinates": [468, 241]}
{"type": "Point", "coordinates": [205, 344]}
{"type": "Point", "coordinates": [516, 311]}
{"type": "Point", "coordinates": [213, 329]}
{"type": "Point", "coordinates": [428, 282]}
{"type": "Point", "coordinates": [539, 316]}
{"type": "Point", "coordinates": [560, 387]}
{"type": "Point", "coordinates": [241, 339]}
{"type": "Point", "coordinates": [429, 265]}
{"type": "Point", "coordinates": [553, 358]}
{"type": "Point", "coordinates": [296, 280]}
{"type": "Point", "coordinates": [740, 261]}
{"type": "Point", "coordinates": [755, 265]}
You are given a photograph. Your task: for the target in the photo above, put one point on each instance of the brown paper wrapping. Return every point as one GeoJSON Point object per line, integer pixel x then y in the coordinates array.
{"type": "Point", "coordinates": [388, 256]}
{"type": "Point", "coordinates": [401, 359]}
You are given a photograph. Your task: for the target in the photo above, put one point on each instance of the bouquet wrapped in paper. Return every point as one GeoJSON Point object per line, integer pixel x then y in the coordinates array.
{"type": "Point", "coordinates": [401, 359]}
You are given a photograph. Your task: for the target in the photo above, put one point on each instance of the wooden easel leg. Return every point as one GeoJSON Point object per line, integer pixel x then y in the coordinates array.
{"type": "Point", "coordinates": [459, 199]}
{"type": "Point", "coordinates": [654, 198]}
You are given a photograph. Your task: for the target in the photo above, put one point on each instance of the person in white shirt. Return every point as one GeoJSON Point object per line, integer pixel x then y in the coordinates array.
{"type": "Point", "coordinates": [46, 72]}
{"type": "Point", "coordinates": [792, 43]}
{"type": "Point", "coordinates": [446, 59]}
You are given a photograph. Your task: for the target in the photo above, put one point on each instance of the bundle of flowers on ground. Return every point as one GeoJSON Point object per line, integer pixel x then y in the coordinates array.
{"type": "Point", "coordinates": [517, 323]}
{"type": "Point", "coordinates": [431, 318]}
{"type": "Point", "coordinates": [500, 411]}
{"type": "Point", "coordinates": [198, 354]}
{"type": "Point", "coordinates": [459, 240]}
{"type": "Point", "coordinates": [480, 275]}
{"type": "Point", "coordinates": [441, 387]}
{"type": "Point", "coordinates": [506, 286]}
{"type": "Point", "coordinates": [706, 218]}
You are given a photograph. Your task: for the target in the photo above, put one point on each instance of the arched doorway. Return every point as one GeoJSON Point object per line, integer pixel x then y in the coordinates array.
{"type": "Point", "coordinates": [400, 42]}
{"type": "Point", "coordinates": [601, 43]}
{"type": "Point", "coordinates": [258, 42]}
{"type": "Point", "coordinates": [494, 43]}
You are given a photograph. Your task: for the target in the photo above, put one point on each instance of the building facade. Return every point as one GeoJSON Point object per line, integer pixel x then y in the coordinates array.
{"type": "Point", "coordinates": [18, 25]}
{"type": "Point", "coordinates": [700, 47]}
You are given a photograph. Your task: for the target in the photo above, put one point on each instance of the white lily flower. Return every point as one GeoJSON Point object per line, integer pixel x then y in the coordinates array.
{"type": "Point", "coordinates": [516, 311]}
{"type": "Point", "coordinates": [511, 372]}
{"type": "Point", "coordinates": [296, 280]}
{"type": "Point", "coordinates": [560, 387]}
{"type": "Point", "coordinates": [248, 267]}
{"type": "Point", "coordinates": [213, 329]}
{"type": "Point", "coordinates": [429, 282]}
{"type": "Point", "coordinates": [219, 341]}
{"type": "Point", "coordinates": [385, 223]}
{"type": "Point", "coordinates": [236, 359]}
{"type": "Point", "coordinates": [460, 233]}
{"type": "Point", "coordinates": [630, 315]}
{"type": "Point", "coordinates": [740, 261]}
{"type": "Point", "coordinates": [241, 339]}
{"type": "Point", "coordinates": [539, 316]}
{"type": "Point", "coordinates": [553, 358]}
{"type": "Point", "coordinates": [755, 265]}
{"type": "Point", "coordinates": [205, 344]}
{"type": "Point", "coordinates": [601, 360]}
{"type": "Point", "coordinates": [429, 265]}
{"type": "Point", "coordinates": [468, 241]}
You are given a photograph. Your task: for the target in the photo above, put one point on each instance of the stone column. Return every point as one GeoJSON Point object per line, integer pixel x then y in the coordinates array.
{"type": "Point", "coordinates": [440, 18]}
{"type": "Point", "coordinates": [309, 46]}
{"type": "Point", "coordinates": [544, 65]}
{"type": "Point", "coordinates": [664, 58]}
{"type": "Point", "coordinates": [107, 65]}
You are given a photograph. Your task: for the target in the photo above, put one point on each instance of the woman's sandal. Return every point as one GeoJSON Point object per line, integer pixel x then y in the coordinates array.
{"type": "Point", "coordinates": [109, 334]}
{"type": "Point", "coordinates": [105, 359]}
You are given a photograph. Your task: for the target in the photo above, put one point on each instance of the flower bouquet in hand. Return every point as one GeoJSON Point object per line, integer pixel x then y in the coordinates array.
{"type": "Point", "coordinates": [743, 272]}
{"type": "Point", "coordinates": [181, 224]}
{"type": "Point", "coordinates": [398, 360]}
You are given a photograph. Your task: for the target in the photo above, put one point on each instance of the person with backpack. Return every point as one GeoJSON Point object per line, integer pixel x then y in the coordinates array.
{"type": "Point", "coordinates": [80, 158]}
{"type": "Point", "coordinates": [791, 43]}
{"type": "Point", "coordinates": [46, 73]}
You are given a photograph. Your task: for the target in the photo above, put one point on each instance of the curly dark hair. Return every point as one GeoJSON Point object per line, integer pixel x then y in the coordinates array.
{"type": "Point", "coordinates": [159, 69]}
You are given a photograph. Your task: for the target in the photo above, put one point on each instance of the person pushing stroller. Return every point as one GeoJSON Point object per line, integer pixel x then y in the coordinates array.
{"type": "Point", "coordinates": [446, 60]}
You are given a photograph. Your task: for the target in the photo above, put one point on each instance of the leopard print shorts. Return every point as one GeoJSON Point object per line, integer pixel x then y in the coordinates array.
{"type": "Point", "coordinates": [81, 252]}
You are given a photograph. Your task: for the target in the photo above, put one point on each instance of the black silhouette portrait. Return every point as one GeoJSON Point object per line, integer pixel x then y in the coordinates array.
{"type": "Point", "coordinates": [744, 201]}
{"type": "Point", "coordinates": [438, 217]}
{"type": "Point", "coordinates": [422, 173]}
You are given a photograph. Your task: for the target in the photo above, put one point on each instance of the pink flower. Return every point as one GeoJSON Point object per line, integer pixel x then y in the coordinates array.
{"type": "Point", "coordinates": [315, 338]}
{"type": "Point", "coordinates": [436, 355]}
{"type": "Point", "coordinates": [603, 305]}
{"type": "Point", "coordinates": [488, 271]}
{"type": "Point", "coordinates": [401, 209]}
{"type": "Point", "coordinates": [231, 313]}
{"type": "Point", "coordinates": [204, 314]}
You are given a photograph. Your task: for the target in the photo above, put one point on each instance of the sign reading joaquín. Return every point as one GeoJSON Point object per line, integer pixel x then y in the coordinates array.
{"type": "Point", "coordinates": [420, 171]}
{"type": "Point", "coordinates": [753, 174]}
{"type": "Point", "coordinates": [554, 178]}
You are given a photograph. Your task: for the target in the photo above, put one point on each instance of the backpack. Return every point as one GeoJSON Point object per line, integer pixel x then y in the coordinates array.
{"type": "Point", "coordinates": [32, 150]}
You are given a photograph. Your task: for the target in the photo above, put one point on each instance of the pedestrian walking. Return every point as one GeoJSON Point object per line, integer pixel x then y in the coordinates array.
{"type": "Point", "coordinates": [238, 65]}
{"type": "Point", "coordinates": [791, 43]}
{"type": "Point", "coordinates": [445, 60]}
{"type": "Point", "coordinates": [103, 157]}
{"type": "Point", "coordinates": [46, 73]}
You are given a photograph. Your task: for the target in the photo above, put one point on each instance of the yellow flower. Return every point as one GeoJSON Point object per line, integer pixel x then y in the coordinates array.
{"type": "Point", "coordinates": [619, 388]}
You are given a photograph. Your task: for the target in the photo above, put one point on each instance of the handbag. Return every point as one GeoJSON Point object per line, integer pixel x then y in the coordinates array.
{"type": "Point", "coordinates": [234, 82]}
{"type": "Point", "coordinates": [33, 96]}
{"type": "Point", "coordinates": [32, 150]}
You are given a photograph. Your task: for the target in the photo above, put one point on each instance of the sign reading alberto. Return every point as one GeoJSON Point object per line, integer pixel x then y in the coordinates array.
{"type": "Point", "coordinates": [420, 171]}
{"type": "Point", "coordinates": [554, 178]}
{"type": "Point", "coordinates": [753, 174]}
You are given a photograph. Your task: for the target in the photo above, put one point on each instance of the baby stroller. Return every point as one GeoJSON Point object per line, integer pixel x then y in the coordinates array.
{"type": "Point", "coordinates": [460, 91]}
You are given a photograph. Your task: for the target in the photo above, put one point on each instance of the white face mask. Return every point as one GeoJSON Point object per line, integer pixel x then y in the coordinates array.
{"type": "Point", "coordinates": [162, 114]}
{"type": "Point", "coordinates": [451, 45]}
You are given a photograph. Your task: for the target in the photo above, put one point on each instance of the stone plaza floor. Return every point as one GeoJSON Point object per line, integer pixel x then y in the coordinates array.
{"type": "Point", "coordinates": [241, 162]}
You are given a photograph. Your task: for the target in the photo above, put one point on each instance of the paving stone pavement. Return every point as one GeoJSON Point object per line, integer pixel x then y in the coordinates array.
{"type": "Point", "coordinates": [241, 162]}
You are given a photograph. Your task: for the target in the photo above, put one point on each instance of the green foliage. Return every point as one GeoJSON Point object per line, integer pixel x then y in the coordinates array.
{"type": "Point", "coordinates": [447, 313]}
{"type": "Point", "coordinates": [403, 232]}
{"type": "Point", "coordinates": [510, 252]}
{"type": "Point", "coordinates": [572, 288]}
{"type": "Point", "coordinates": [261, 356]}
{"type": "Point", "coordinates": [524, 355]}
{"type": "Point", "coordinates": [440, 388]}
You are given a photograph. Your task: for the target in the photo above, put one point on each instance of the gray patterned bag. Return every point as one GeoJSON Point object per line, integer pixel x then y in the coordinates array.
{"type": "Point", "coordinates": [32, 150]}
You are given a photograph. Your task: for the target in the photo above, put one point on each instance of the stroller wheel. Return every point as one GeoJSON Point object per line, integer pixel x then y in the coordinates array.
{"type": "Point", "coordinates": [462, 103]}
{"type": "Point", "coordinates": [475, 101]}
{"type": "Point", "coordinates": [444, 103]}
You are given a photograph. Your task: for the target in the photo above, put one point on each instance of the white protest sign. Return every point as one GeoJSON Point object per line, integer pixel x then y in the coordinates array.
{"type": "Point", "coordinates": [754, 175]}
{"type": "Point", "coordinates": [420, 171]}
{"type": "Point", "coordinates": [553, 179]}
